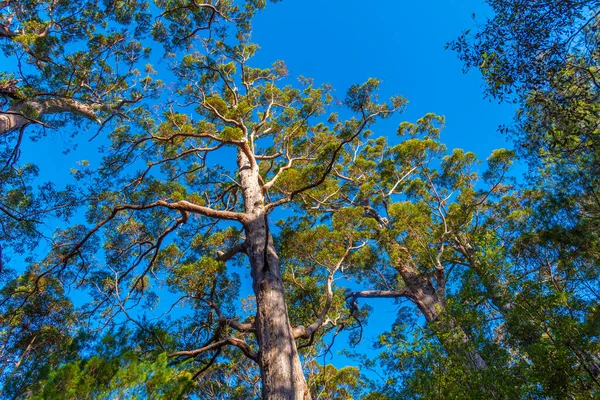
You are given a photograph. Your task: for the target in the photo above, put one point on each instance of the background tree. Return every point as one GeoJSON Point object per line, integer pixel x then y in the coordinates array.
{"type": "Point", "coordinates": [414, 205]}
{"type": "Point", "coordinates": [469, 246]}
{"type": "Point", "coordinates": [543, 56]}
{"type": "Point", "coordinates": [38, 324]}
{"type": "Point", "coordinates": [525, 44]}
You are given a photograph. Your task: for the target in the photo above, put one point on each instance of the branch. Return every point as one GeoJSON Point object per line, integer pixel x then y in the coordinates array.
{"type": "Point", "coordinates": [328, 168]}
{"type": "Point", "coordinates": [241, 344]}
{"type": "Point", "coordinates": [268, 157]}
{"type": "Point", "coordinates": [15, 118]}
{"type": "Point", "coordinates": [183, 205]}
{"type": "Point", "coordinates": [237, 325]}
{"type": "Point", "coordinates": [400, 180]}
{"type": "Point", "coordinates": [307, 332]}
{"type": "Point", "coordinates": [230, 322]}
{"type": "Point", "coordinates": [394, 294]}
{"type": "Point", "coordinates": [229, 254]}
{"type": "Point", "coordinates": [289, 164]}
{"type": "Point", "coordinates": [5, 31]}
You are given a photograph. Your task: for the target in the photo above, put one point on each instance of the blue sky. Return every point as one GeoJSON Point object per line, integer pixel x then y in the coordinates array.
{"type": "Point", "coordinates": [342, 42]}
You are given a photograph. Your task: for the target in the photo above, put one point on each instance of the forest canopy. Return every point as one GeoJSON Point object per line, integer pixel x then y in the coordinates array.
{"type": "Point", "coordinates": [228, 223]}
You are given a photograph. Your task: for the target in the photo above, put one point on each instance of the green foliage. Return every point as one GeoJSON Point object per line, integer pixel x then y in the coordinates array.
{"type": "Point", "coordinates": [496, 284]}
{"type": "Point", "coordinates": [125, 376]}
{"type": "Point", "coordinates": [39, 331]}
{"type": "Point", "coordinates": [544, 56]}
{"type": "Point", "coordinates": [343, 383]}
{"type": "Point", "coordinates": [525, 44]}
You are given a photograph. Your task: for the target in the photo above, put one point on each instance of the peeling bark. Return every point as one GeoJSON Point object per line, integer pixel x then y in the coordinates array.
{"type": "Point", "coordinates": [281, 371]}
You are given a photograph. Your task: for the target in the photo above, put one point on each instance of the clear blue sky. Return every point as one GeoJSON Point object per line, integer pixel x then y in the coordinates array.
{"type": "Point", "coordinates": [342, 42]}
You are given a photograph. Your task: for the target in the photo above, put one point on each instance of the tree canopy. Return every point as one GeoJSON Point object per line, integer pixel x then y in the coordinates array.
{"type": "Point", "coordinates": [233, 222]}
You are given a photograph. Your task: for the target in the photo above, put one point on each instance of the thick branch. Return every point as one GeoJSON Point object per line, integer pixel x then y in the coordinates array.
{"type": "Point", "coordinates": [182, 206]}
{"type": "Point", "coordinates": [5, 31]}
{"type": "Point", "coordinates": [16, 117]}
{"type": "Point", "coordinates": [207, 211]}
{"type": "Point", "coordinates": [238, 326]}
{"type": "Point", "coordinates": [229, 254]}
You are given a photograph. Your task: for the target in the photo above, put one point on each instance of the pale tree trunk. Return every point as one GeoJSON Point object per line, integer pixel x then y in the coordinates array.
{"type": "Point", "coordinates": [281, 371]}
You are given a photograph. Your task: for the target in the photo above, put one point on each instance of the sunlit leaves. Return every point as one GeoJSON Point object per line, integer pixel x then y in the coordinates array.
{"type": "Point", "coordinates": [343, 383]}
{"type": "Point", "coordinates": [38, 330]}
{"type": "Point", "coordinates": [125, 375]}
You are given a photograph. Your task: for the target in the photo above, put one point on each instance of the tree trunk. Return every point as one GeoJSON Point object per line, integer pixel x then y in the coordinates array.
{"type": "Point", "coordinates": [281, 371]}
{"type": "Point", "coordinates": [450, 334]}
{"type": "Point", "coordinates": [433, 306]}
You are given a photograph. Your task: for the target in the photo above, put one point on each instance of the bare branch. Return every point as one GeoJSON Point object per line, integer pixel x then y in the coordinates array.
{"type": "Point", "coordinates": [239, 343]}
{"type": "Point", "coordinates": [394, 294]}
{"type": "Point", "coordinates": [230, 253]}
{"type": "Point", "coordinates": [183, 205]}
